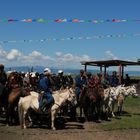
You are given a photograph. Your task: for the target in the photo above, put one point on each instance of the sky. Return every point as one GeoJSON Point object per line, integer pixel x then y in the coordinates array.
{"type": "Point", "coordinates": [68, 53]}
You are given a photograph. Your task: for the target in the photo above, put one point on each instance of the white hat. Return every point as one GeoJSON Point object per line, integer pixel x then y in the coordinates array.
{"type": "Point", "coordinates": [33, 74]}
{"type": "Point", "coordinates": [60, 71]}
{"type": "Point", "coordinates": [47, 71]}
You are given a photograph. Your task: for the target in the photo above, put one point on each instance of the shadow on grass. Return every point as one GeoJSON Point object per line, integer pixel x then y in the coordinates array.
{"type": "Point", "coordinates": [123, 113]}
{"type": "Point", "coordinates": [138, 114]}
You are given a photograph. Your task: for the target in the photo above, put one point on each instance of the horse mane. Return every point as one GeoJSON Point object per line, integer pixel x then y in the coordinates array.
{"type": "Point", "coordinates": [59, 91]}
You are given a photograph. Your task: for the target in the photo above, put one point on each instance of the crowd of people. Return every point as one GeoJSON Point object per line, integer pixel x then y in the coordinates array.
{"type": "Point", "coordinates": [47, 82]}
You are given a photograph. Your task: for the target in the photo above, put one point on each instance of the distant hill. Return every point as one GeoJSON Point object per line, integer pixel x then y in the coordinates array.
{"type": "Point", "coordinates": [66, 70]}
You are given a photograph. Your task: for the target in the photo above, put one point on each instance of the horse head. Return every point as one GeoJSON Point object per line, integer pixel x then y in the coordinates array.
{"type": "Point", "coordinates": [72, 96]}
{"type": "Point", "coordinates": [14, 80]}
{"type": "Point", "coordinates": [132, 91]}
{"type": "Point", "coordinates": [112, 93]}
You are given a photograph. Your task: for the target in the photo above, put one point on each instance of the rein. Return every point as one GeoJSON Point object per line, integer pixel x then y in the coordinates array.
{"type": "Point", "coordinates": [64, 99]}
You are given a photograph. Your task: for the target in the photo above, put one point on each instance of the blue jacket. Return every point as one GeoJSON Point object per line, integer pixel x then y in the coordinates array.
{"type": "Point", "coordinates": [80, 81]}
{"type": "Point", "coordinates": [45, 84]}
{"type": "Point", "coordinates": [114, 81]}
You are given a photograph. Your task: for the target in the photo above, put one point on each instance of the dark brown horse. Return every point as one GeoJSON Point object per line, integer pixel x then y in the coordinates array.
{"type": "Point", "coordinates": [91, 101]}
{"type": "Point", "coordinates": [15, 92]}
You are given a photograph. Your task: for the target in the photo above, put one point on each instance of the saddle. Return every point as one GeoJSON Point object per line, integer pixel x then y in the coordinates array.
{"type": "Point", "coordinates": [44, 107]}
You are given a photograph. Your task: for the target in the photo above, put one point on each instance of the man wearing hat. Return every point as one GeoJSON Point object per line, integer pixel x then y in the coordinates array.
{"type": "Point", "coordinates": [45, 86]}
{"type": "Point", "coordinates": [3, 80]}
{"type": "Point", "coordinates": [60, 80]}
{"type": "Point", "coordinates": [80, 81]}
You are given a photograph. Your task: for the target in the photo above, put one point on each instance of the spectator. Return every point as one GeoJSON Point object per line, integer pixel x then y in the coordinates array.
{"type": "Point", "coordinates": [127, 80]}
{"type": "Point", "coordinates": [114, 81]}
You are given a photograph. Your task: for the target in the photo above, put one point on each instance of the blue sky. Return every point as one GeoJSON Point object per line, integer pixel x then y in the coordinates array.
{"type": "Point", "coordinates": [68, 54]}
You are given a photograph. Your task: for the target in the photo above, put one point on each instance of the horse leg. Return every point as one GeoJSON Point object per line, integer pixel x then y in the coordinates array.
{"type": "Point", "coordinates": [120, 104]}
{"type": "Point", "coordinates": [73, 112]}
{"type": "Point", "coordinates": [98, 112]}
{"type": "Point", "coordinates": [21, 114]}
{"type": "Point", "coordinates": [24, 119]}
{"type": "Point", "coordinates": [53, 116]}
{"type": "Point", "coordinates": [85, 110]}
{"type": "Point", "coordinates": [112, 112]}
{"type": "Point", "coordinates": [8, 115]}
{"type": "Point", "coordinates": [107, 111]}
{"type": "Point", "coordinates": [81, 111]}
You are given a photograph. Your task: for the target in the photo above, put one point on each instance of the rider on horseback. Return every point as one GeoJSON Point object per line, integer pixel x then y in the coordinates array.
{"type": "Point", "coordinates": [81, 81]}
{"type": "Point", "coordinates": [45, 86]}
{"type": "Point", "coordinates": [60, 80]}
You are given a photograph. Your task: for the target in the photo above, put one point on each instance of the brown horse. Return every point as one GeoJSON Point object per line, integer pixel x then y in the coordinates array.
{"type": "Point", "coordinates": [15, 92]}
{"type": "Point", "coordinates": [91, 101]}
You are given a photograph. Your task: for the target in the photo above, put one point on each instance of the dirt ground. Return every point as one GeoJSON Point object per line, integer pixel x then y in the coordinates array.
{"type": "Point", "coordinates": [72, 131]}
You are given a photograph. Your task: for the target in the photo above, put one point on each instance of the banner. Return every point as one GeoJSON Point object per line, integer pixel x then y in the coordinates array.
{"type": "Point", "coordinates": [94, 21]}
{"type": "Point", "coordinates": [72, 38]}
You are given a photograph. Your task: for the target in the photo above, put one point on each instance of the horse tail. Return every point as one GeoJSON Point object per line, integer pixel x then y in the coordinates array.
{"type": "Point", "coordinates": [20, 111]}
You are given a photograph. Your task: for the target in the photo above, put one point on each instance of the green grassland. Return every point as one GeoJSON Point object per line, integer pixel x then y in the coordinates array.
{"type": "Point", "coordinates": [130, 119]}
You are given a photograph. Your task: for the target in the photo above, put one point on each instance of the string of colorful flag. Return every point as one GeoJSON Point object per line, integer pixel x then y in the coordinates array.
{"type": "Point", "coordinates": [72, 38]}
{"type": "Point", "coordinates": [42, 20]}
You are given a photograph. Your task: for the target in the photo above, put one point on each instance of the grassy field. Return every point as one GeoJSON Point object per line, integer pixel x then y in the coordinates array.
{"type": "Point", "coordinates": [130, 119]}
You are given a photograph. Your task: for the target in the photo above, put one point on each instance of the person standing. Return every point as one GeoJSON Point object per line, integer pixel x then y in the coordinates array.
{"type": "Point", "coordinates": [3, 91]}
{"type": "Point", "coordinates": [114, 81]}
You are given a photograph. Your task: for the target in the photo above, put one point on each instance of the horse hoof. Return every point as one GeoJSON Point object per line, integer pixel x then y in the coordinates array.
{"type": "Point", "coordinates": [98, 121]}
{"type": "Point", "coordinates": [7, 125]}
{"type": "Point", "coordinates": [53, 128]}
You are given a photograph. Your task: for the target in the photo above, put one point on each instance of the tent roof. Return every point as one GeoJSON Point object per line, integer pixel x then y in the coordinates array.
{"type": "Point", "coordinates": [107, 63]}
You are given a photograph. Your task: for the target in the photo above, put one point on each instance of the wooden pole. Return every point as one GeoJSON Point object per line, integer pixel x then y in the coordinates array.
{"type": "Point", "coordinates": [105, 71]}
{"type": "Point", "coordinates": [100, 73]}
{"type": "Point", "coordinates": [122, 77]}
{"type": "Point", "coordinates": [85, 68]}
{"type": "Point", "coordinates": [120, 80]}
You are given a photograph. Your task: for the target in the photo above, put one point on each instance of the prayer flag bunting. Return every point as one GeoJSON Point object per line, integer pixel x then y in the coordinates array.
{"type": "Point", "coordinates": [72, 38]}
{"type": "Point", "coordinates": [95, 21]}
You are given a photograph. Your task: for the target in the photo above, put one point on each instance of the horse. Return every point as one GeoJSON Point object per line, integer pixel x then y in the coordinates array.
{"type": "Point", "coordinates": [129, 91]}
{"type": "Point", "coordinates": [60, 98]}
{"type": "Point", "coordinates": [117, 93]}
{"type": "Point", "coordinates": [15, 90]}
{"type": "Point", "coordinates": [91, 101]}
{"type": "Point", "coordinates": [108, 101]}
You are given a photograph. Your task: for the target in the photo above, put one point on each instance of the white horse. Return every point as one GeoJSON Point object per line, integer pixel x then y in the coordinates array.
{"type": "Point", "coordinates": [112, 97]}
{"type": "Point", "coordinates": [31, 101]}
{"type": "Point", "coordinates": [109, 99]}
{"type": "Point", "coordinates": [129, 91]}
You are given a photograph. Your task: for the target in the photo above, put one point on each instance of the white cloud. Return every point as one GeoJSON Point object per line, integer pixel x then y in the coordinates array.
{"type": "Point", "coordinates": [13, 54]}
{"type": "Point", "coordinates": [39, 56]}
{"type": "Point", "coordinates": [2, 52]}
{"type": "Point", "coordinates": [15, 58]}
{"type": "Point", "coordinates": [68, 57]}
{"type": "Point", "coordinates": [58, 54]}
{"type": "Point", "coordinates": [86, 58]}
{"type": "Point", "coordinates": [110, 55]}
{"type": "Point", "coordinates": [35, 54]}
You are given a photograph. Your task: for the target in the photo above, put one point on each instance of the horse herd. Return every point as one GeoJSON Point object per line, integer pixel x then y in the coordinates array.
{"type": "Point", "coordinates": [93, 100]}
